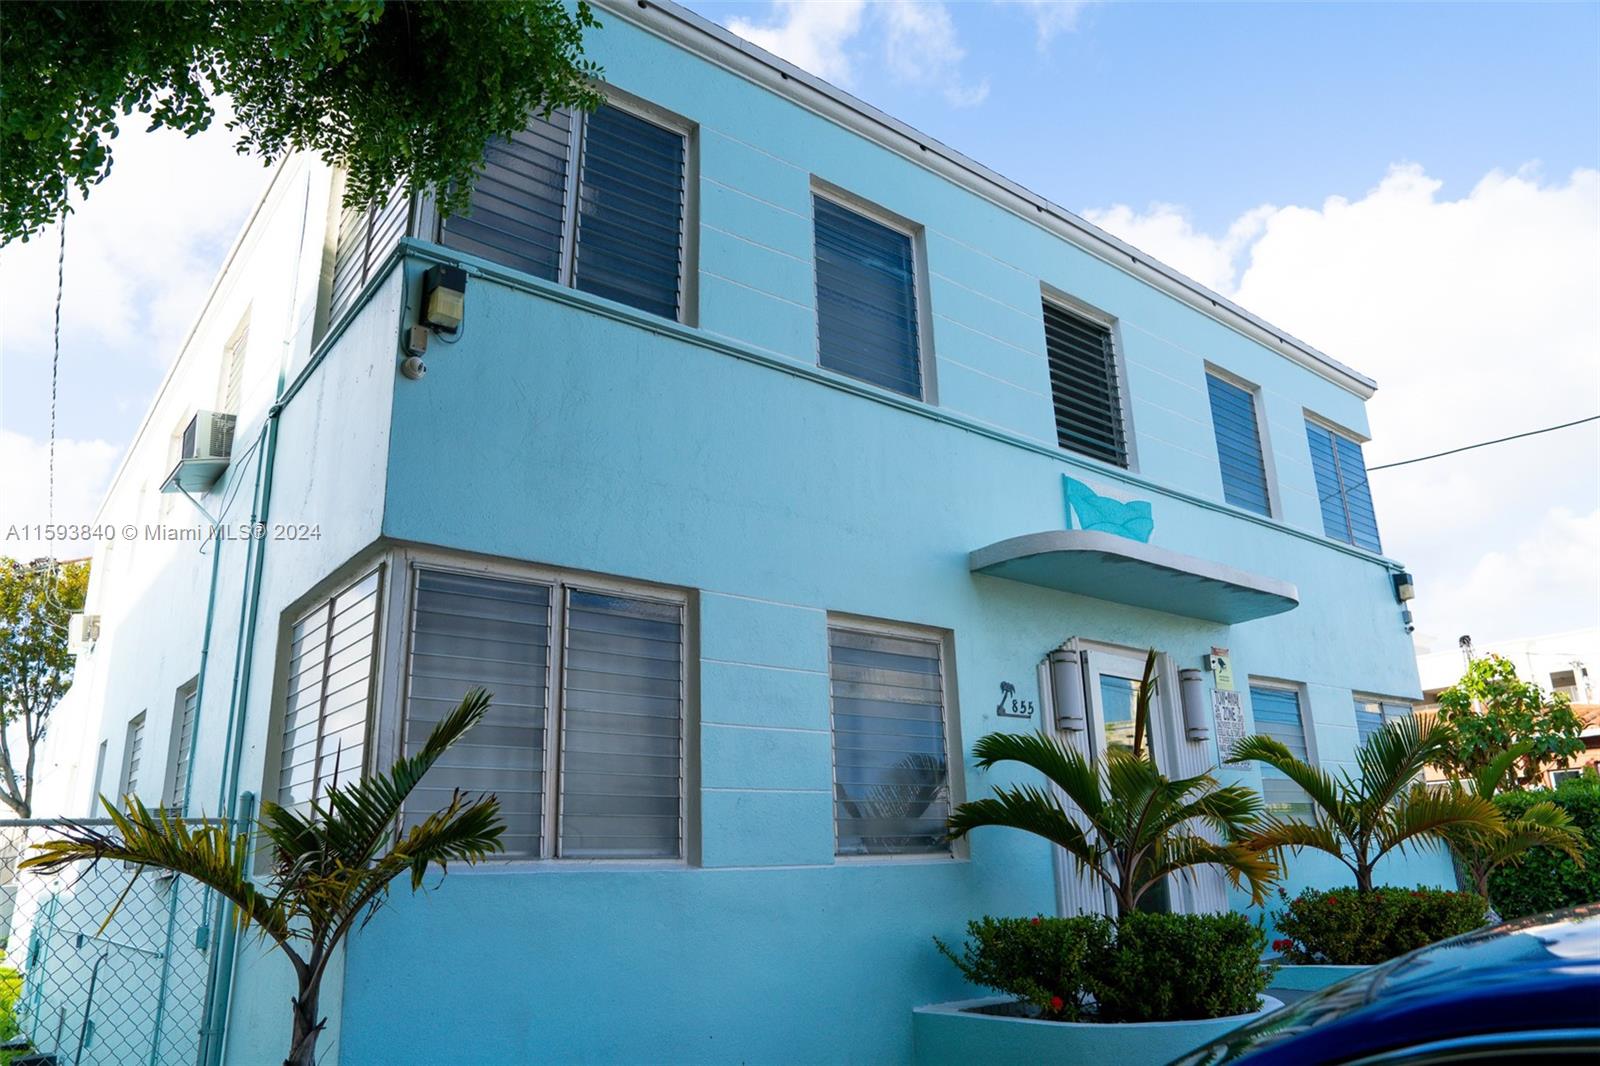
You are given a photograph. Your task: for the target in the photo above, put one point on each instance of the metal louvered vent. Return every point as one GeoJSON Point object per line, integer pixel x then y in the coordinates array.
{"type": "Point", "coordinates": [1233, 419]}
{"type": "Point", "coordinates": [1083, 383]}
{"type": "Point", "coordinates": [866, 299]}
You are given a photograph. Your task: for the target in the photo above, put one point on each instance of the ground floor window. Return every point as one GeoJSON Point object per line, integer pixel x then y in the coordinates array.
{"type": "Point", "coordinates": [1278, 714]}
{"type": "Point", "coordinates": [1374, 712]}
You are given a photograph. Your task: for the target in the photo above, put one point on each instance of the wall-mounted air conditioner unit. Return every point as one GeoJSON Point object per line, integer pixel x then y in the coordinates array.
{"type": "Point", "coordinates": [82, 632]}
{"type": "Point", "coordinates": [209, 435]}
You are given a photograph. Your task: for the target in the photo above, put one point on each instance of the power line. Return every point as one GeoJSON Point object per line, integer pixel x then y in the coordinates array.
{"type": "Point", "coordinates": [1485, 443]}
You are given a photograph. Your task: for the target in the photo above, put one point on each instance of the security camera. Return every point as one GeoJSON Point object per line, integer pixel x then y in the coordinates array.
{"type": "Point", "coordinates": [413, 368]}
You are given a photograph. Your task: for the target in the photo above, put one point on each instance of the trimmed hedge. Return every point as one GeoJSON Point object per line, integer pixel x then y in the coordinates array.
{"type": "Point", "coordinates": [1344, 927]}
{"type": "Point", "coordinates": [1544, 879]}
{"type": "Point", "coordinates": [1145, 968]}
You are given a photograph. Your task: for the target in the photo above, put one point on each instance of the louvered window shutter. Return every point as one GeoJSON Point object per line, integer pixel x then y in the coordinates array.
{"type": "Point", "coordinates": [132, 756]}
{"type": "Point", "coordinates": [366, 237]}
{"type": "Point", "coordinates": [1277, 715]}
{"type": "Point", "coordinates": [629, 244]}
{"type": "Point", "coordinates": [331, 657]}
{"type": "Point", "coordinates": [891, 770]}
{"type": "Point", "coordinates": [517, 212]}
{"type": "Point", "coordinates": [1342, 489]}
{"type": "Point", "coordinates": [1233, 418]}
{"type": "Point", "coordinates": [866, 299]}
{"type": "Point", "coordinates": [1083, 383]}
{"type": "Point", "coordinates": [621, 727]}
{"type": "Point", "coordinates": [468, 631]}
{"type": "Point", "coordinates": [178, 787]}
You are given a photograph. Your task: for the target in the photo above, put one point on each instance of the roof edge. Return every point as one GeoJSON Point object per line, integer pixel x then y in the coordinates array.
{"type": "Point", "coordinates": [712, 42]}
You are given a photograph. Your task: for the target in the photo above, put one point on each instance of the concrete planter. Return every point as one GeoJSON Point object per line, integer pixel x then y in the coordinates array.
{"type": "Point", "coordinates": [1312, 978]}
{"type": "Point", "coordinates": [950, 1034]}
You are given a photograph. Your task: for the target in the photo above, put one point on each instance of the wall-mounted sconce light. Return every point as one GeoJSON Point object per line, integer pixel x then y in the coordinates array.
{"type": "Point", "coordinates": [1066, 685]}
{"type": "Point", "coordinates": [1404, 587]}
{"type": "Point", "coordinates": [1192, 691]}
{"type": "Point", "coordinates": [444, 298]}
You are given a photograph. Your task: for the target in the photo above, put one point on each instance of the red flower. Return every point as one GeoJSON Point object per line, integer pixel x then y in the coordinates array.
{"type": "Point", "coordinates": [1283, 944]}
{"type": "Point", "coordinates": [1056, 1002]}
{"type": "Point", "coordinates": [1036, 921]}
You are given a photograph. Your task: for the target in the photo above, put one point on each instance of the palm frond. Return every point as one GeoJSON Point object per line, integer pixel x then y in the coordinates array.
{"type": "Point", "coordinates": [1066, 767]}
{"type": "Point", "coordinates": [1276, 835]}
{"type": "Point", "coordinates": [1317, 783]}
{"type": "Point", "coordinates": [1393, 758]}
{"type": "Point", "coordinates": [1033, 810]}
{"type": "Point", "coordinates": [1544, 825]}
{"type": "Point", "coordinates": [1424, 817]}
{"type": "Point", "coordinates": [1183, 853]}
{"type": "Point", "coordinates": [1231, 811]}
{"type": "Point", "coordinates": [1141, 711]}
{"type": "Point", "coordinates": [1491, 775]}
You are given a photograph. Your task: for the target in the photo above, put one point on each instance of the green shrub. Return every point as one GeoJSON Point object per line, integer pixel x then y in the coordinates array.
{"type": "Point", "coordinates": [1042, 961]}
{"type": "Point", "coordinates": [1545, 879]}
{"type": "Point", "coordinates": [1344, 927]}
{"type": "Point", "coordinates": [1168, 967]}
{"type": "Point", "coordinates": [1148, 967]}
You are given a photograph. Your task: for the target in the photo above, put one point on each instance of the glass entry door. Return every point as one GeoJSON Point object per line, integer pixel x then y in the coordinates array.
{"type": "Point", "coordinates": [1114, 682]}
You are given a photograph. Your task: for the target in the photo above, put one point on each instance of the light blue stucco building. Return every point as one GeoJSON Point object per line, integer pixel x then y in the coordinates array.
{"type": "Point", "coordinates": [780, 453]}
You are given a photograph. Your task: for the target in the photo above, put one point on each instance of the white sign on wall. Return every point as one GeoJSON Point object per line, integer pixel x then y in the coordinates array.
{"type": "Point", "coordinates": [1229, 711]}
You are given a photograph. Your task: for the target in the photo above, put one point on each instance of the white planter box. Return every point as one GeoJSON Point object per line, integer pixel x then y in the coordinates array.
{"type": "Point", "coordinates": [950, 1034]}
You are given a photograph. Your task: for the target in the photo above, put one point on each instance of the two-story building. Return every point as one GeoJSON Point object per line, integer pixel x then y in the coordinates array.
{"type": "Point", "coordinates": [780, 452]}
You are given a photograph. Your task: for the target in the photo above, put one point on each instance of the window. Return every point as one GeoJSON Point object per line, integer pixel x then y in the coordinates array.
{"type": "Point", "coordinates": [329, 694]}
{"type": "Point", "coordinates": [177, 797]}
{"type": "Point", "coordinates": [366, 237]}
{"type": "Point", "coordinates": [1277, 714]}
{"type": "Point", "coordinates": [1233, 419]}
{"type": "Point", "coordinates": [890, 769]}
{"type": "Point", "coordinates": [617, 231]}
{"type": "Point", "coordinates": [231, 380]}
{"type": "Point", "coordinates": [132, 752]}
{"type": "Point", "coordinates": [99, 780]}
{"type": "Point", "coordinates": [1565, 682]}
{"type": "Point", "coordinates": [867, 317]}
{"type": "Point", "coordinates": [1373, 713]}
{"type": "Point", "coordinates": [1341, 475]}
{"type": "Point", "coordinates": [1083, 383]}
{"type": "Point", "coordinates": [592, 767]}
{"type": "Point", "coordinates": [1558, 776]}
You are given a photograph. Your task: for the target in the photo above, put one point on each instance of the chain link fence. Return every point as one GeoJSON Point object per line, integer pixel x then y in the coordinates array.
{"type": "Point", "coordinates": [75, 994]}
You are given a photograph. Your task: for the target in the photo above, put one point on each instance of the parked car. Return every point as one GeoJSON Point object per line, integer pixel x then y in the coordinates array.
{"type": "Point", "coordinates": [1526, 989]}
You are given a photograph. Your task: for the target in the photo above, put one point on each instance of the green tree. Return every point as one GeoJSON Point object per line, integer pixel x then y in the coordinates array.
{"type": "Point", "coordinates": [1491, 709]}
{"type": "Point", "coordinates": [1385, 807]}
{"type": "Point", "coordinates": [387, 89]}
{"type": "Point", "coordinates": [1137, 826]}
{"type": "Point", "coordinates": [35, 669]}
{"type": "Point", "coordinates": [331, 868]}
{"type": "Point", "coordinates": [1542, 825]}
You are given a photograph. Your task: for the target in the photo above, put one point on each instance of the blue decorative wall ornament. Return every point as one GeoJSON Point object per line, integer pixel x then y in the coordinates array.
{"type": "Point", "coordinates": [1105, 515]}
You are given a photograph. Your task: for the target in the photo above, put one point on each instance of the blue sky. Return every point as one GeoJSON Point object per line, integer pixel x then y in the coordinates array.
{"type": "Point", "coordinates": [1413, 188]}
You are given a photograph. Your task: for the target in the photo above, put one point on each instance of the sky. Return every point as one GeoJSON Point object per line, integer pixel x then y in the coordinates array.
{"type": "Point", "coordinates": [1414, 189]}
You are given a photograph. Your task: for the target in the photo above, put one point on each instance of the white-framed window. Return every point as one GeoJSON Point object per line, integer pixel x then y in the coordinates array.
{"type": "Point", "coordinates": [596, 201]}
{"type": "Point", "coordinates": [1342, 489]}
{"type": "Point", "coordinates": [891, 726]}
{"type": "Point", "coordinates": [584, 743]}
{"type": "Point", "coordinates": [176, 797]}
{"type": "Point", "coordinates": [1279, 713]}
{"type": "Point", "coordinates": [869, 310]}
{"type": "Point", "coordinates": [1558, 776]}
{"type": "Point", "coordinates": [95, 806]}
{"type": "Point", "coordinates": [132, 755]}
{"type": "Point", "coordinates": [1374, 712]}
{"type": "Point", "coordinates": [230, 381]}
{"type": "Point", "coordinates": [1241, 457]}
{"type": "Point", "coordinates": [328, 693]}
{"type": "Point", "coordinates": [1086, 386]}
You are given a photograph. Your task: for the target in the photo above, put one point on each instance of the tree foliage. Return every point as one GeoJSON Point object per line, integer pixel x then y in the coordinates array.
{"type": "Point", "coordinates": [1541, 825]}
{"type": "Point", "coordinates": [1384, 807]}
{"type": "Point", "coordinates": [1135, 826]}
{"type": "Point", "coordinates": [331, 867]}
{"type": "Point", "coordinates": [35, 669]}
{"type": "Point", "coordinates": [390, 90]}
{"type": "Point", "coordinates": [1491, 709]}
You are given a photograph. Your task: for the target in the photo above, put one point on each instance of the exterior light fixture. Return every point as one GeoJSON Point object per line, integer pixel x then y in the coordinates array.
{"type": "Point", "coordinates": [1192, 693]}
{"type": "Point", "coordinates": [1066, 686]}
{"type": "Point", "coordinates": [1404, 587]}
{"type": "Point", "coordinates": [444, 298]}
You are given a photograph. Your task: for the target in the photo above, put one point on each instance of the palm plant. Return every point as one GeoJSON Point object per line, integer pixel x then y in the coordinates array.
{"type": "Point", "coordinates": [331, 867]}
{"type": "Point", "coordinates": [1542, 825]}
{"type": "Point", "coordinates": [1136, 826]}
{"type": "Point", "coordinates": [1360, 819]}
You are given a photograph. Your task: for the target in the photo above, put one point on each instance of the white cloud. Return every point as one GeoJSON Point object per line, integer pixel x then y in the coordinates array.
{"type": "Point", "coordinates": [83, 470]}
{"type": "Point", "coordinates": [1051, 18]}
{"type": "Point", "coordinates": [1477, 315]}
{"type": "Point", "coordinates": [812, 35]}
{"type": "Point", "coordinates": [915, 39]}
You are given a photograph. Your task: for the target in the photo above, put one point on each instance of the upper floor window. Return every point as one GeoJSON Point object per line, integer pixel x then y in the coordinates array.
{"type": "Point", "coordinates": [329, 689]}
{"type": "Point", "coordinates": [1238, 433]}
{"type": "Point", "coordinates": [1373, 713]}
{"type": "Point", "coordinates": [867, 315]}
{"type": "Point", "coordinates": [584, 739]}
{"type": "Point", "coordinates": [177, 789]}
{"type": "Point", "coordinates": [891, 769]}
{"type": "Point", "coordinates": [1341, 475]}
{"type": "Point", "coordinates": [132, 754]}
{"type": "Point", "coordinates": [1278, 715]}
{"type": "Point", "coordinates": [230, 383]}
{"type": "Point", "coordinates": [366, 237]}
{"type": "Point", "coordinates": [1084, 386]}
{"type": "Point", "coordinates": [592, 201]}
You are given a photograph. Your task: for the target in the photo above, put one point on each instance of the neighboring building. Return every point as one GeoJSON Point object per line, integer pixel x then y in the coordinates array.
{"type": "Point", "coordinates": [778, 448]}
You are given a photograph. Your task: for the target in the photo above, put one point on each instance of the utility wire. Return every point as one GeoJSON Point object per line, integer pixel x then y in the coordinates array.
{"type": "Point", "coordinates": [1485, 443]}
